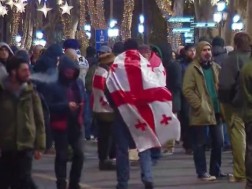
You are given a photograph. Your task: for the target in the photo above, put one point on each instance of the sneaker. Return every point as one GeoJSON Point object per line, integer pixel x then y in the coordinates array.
{"type": "Point", "coordinates": [207, 177]}
{"type": "Point", "coordinates": [233, 179]}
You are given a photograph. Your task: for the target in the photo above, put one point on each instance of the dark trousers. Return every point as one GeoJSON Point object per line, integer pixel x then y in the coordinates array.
{"type": "Point", "coordinates": [15, 170]}
{"type": "Point", "coordinates": [199, 141]}
{"type": "Point", "coordinates": [248, 160]}
{"type": "Point", "coordinates": [185, 127]}
{"type": "Point", "coordinates": [71, 137]}
{"type": "Point", "coordinates": [106, 144]}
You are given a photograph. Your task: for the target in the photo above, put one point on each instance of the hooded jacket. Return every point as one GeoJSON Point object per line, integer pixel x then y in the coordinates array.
{"type": "Point", "coordinates": [22, 122]}
{"type": "Point", "coordinates": [3, 72]}
{"type": "Point", "coordinates": [58, 96]}
{"type": "Point", "coordinates": [49, 59]}
{"type": "Point", "coordinates": [195, 90]}
{"type": "Point", "coordinates": [219, 54]}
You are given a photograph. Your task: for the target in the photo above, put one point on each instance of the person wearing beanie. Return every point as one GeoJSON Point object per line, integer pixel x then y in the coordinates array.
{"type": "Point", "coordinates": [65, 101]}
{"type": "Point", "coordinates": [200, 90]}
{"type": "Point", "coordinates": [219, 51]}
{"type": "Point", "coordinates": [230, 96]}
{"type": "Point", "coordinates": [5, 54]}
{"type": "Point", "coordinates": [103, 114]}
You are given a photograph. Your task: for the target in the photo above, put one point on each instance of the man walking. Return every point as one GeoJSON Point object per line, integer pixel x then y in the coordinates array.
{"type": "Point", "coordinates": [143, 112]}
{"type": "Point", "coordinates": [228, 96]}
{"type": "Point", "coordinates": [65, 101]}
{"type": "Point", "coordinates": [200, 90]}
{"type": "Point", "coordinates": [246, 79]}
{"type": "Point", "coordinates": [22, 131]}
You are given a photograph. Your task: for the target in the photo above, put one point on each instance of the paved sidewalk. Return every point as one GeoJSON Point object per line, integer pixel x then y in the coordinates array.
{"type": "Point", "coordinates": [172, 172]}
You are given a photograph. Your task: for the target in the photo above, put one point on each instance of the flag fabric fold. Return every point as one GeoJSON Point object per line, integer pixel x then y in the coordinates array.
{"type": "Point", "coordinates": [138, 90]}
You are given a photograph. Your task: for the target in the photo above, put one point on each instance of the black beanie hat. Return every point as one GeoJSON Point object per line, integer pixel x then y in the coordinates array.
{"type": "Point", "coordinates": [71, 44]}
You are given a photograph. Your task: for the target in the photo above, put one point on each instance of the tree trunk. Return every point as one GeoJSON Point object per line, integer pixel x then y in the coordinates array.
{"type": "Point", "coordinates": [249, 17]}
{"type": "Point", "coordinates": [228, 31]}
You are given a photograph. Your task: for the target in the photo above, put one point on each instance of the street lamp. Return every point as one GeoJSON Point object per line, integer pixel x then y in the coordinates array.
{"type": "Point", "coordinates": [87, 29]}
{"type": "Point", "coordinates": [237, 24]}
{"type": "Point", "coordinates": [141, 25]}
{"type": "Point", "coordinates": [220, 16]}
{"type": "Point", "coordinates": [113, 31]}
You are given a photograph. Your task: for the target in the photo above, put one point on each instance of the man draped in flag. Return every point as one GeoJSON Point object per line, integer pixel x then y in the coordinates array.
{"type": "Point", "coordinates": [143, 111]}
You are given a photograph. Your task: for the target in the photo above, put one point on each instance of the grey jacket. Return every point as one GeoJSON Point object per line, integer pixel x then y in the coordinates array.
{"type": "Point", "coordinates": [229, 75]}
{"type": "Point", "coordinates": [219, 54]}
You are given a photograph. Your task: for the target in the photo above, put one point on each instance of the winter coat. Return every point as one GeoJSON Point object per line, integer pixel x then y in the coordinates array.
{"type": "Point", "coordinates": [57, 97]}
{"type": "Point", "coordinates": [219, 55]}
{"type": "Point", "coordinates": [21, 121]}
{"type": "Point", "coordinates": [174, 83]}
{"type": "Point", "coordinates": [195, 91]}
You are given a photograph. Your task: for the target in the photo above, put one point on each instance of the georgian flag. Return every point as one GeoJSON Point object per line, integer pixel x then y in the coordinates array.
{"type": "Point", "coordinates": [101, 104]}
{"type": "Point", "coordinates": [138, 90]}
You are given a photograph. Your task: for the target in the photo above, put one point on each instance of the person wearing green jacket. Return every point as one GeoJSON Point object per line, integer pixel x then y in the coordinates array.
{"type": "Point", "coordinates": [22, 130]}
{"type": "Point", "coordinates": [229, 98]}
{"type": "Point", "coordinates": [200, 90]}
{"type": "Point", "coordinates": [246, 88]}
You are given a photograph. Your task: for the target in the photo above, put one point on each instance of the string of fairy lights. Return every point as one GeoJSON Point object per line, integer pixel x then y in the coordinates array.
{"type": "Point", "coordinates": [93, 8]}
{"type": "Point", "coordinates": [127, 19]}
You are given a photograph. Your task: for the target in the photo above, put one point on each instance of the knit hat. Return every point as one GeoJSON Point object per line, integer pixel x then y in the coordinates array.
{"type": "Point", "coordinates": [107, 58]}
{"type": "Point", "coordinates": [23, 54]}
{"type": "Point", "coordinates": [218, 41]}
{"type": "Point", "coordinates": [105, 49]}
{"type": "Point", "coordinates": [71, 44]}
{"type": "Point", "coordinates": [200, 47]}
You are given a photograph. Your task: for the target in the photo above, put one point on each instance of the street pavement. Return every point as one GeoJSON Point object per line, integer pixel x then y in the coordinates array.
{"type": "Point", "coordinates": [171, 172]}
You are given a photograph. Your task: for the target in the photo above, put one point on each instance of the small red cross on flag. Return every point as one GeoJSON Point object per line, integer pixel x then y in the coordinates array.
{"type": "Point", "coordinates": [141, 126]}
{"type": "Point", "coordinates": [165, 119]}
{"type": "Point", "coordinates": [102, 101]}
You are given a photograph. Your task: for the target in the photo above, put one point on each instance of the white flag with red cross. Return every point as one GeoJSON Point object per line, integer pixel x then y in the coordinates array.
{"type": "Point", "coordinates": [143, 102]}
{"type": "Point", "coordinates": [101, 104]}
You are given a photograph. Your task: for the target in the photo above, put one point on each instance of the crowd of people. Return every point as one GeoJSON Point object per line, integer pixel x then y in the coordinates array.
{"type": "Point", "coordinates": [52, 99]}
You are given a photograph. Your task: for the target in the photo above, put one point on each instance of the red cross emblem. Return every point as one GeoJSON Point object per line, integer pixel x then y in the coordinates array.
{"type": "Point", "coordinates": [102, 101]}
{"type": "Point", "coordinates": [141, 126]}
{"type": "Point", "coordinates": [113, 67]}
{"type": "Point", "coordinates": [165, 120]}
{"type": "Point", "coordinates": [138, 96]}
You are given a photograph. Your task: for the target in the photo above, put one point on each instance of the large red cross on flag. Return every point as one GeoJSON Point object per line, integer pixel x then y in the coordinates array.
{"type": "Point", "coordinates": [101, 104]}
{"type": "Point", "coordinates": [143, 101]}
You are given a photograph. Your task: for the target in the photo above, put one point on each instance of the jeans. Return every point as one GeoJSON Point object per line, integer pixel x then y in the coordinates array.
{"type": "Point", "coordinates": [199, 141]}
{"type": "Point", "coordinates": [15, 170]}
{"type": "Point", "coordinates": [226, 136]}
{"type": "Point", "coordinates": [123, 142]}
{"type": "Point", "coordinates": [71, 137]}
{"type": "Point", "coordinates": [106, 145]}
{"type": "Point", "coordinates": [248, 161]}
{"type": "Point", "coordinates": [185, 127]}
